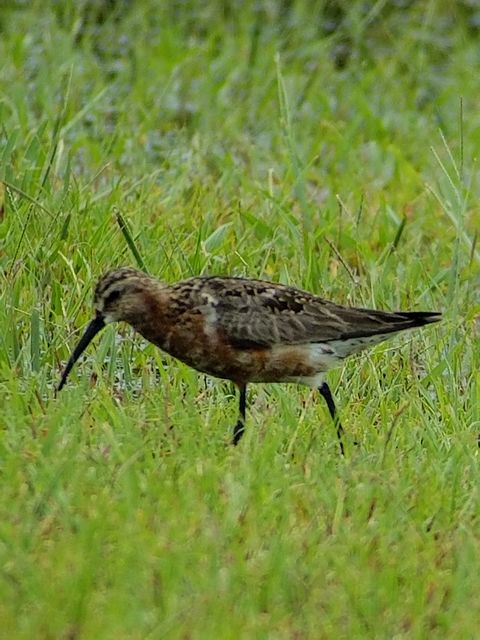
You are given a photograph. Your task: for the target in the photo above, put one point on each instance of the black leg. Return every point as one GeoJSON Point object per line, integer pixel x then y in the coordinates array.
{"type": "Point", "coordinates": [327, 394]}
{"type": "Point", "coordinates": [239, 428]}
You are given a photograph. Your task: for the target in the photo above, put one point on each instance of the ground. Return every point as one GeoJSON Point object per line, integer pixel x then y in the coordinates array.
{"type": "Point", "coordinates": [331, 146]}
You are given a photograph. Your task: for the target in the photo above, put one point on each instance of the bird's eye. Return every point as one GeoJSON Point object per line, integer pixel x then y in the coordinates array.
{"type": "Point", "coordinates": [114, 295]}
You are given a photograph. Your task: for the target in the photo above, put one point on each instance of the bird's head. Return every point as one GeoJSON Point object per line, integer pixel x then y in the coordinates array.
{"type": "Point", "coordinates": [121, 294]}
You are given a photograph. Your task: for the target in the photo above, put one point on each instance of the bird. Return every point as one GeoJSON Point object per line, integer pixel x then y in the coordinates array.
{"type": "Point", "coordinates": [243, 330]}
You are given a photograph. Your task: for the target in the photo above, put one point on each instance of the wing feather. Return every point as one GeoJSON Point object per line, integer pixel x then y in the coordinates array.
{"type": "Point", "coordinates": [255, 313]}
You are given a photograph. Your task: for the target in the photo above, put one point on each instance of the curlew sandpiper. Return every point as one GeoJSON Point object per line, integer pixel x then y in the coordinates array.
{"type": "Point", "coordinates": [243, 330]}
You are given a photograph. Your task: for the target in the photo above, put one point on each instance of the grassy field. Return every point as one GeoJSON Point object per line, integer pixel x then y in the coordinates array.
{"type": "Point", "coordinates": [331, 146]}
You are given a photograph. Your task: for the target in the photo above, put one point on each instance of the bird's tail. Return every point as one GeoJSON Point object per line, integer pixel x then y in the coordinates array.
{"type": "Point", "coordinates": [418, 318]}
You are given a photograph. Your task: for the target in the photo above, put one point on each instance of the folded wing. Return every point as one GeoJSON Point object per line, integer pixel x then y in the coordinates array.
{"type": "Point", "coordinates": [258, 314]}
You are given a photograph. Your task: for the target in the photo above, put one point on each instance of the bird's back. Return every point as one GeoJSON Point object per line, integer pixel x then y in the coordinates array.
{"type": "Point", "coordinates": [263, 313]}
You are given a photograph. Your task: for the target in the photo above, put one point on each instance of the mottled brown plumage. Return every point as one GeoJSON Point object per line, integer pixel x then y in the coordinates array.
{"type": "Point", "coordinates": [243, 330]}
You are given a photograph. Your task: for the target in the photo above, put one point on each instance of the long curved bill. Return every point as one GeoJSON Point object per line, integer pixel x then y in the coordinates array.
{"type": "Point", "coordinates": [91, 331]}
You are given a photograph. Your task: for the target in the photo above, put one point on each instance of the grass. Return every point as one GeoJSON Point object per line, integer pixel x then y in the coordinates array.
{"type": "Point", "coordinates": [327, 145]}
